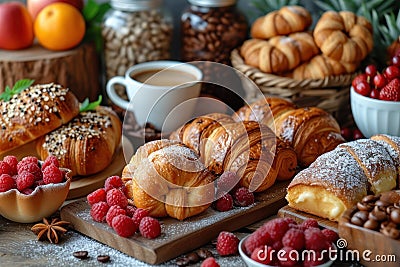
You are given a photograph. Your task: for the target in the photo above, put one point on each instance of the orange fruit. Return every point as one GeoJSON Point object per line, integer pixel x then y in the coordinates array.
{"type": "Point", "coordinates": [59, 26]}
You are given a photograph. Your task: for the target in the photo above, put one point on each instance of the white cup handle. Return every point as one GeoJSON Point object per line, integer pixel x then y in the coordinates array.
{"type": "Point", "coordinates": [112, 94]}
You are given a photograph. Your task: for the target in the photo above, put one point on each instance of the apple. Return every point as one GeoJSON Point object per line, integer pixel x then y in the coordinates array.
{"type": "Point", "coordinates": [35, 6]}
{"type": "Point", "coordinates": [16, 26]}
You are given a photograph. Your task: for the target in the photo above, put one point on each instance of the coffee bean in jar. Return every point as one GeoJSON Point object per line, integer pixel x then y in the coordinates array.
{"type": "Point", "coordinates": [211, 29]}
{"type": "Point", "coordinates": [135, 31]}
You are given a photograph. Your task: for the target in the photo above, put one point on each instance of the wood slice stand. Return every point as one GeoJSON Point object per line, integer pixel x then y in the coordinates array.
{"type": "Point", "coordinates": [77, 69]}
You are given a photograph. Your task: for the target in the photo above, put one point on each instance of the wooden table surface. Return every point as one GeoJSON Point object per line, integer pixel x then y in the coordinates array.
{"type": "Point", "coordinates": [19, 247]}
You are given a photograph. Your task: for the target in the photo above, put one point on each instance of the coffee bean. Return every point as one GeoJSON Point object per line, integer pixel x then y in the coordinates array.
{"type": "Point", "coordinates": [390, 232]}
{"type": "Point", "coordinates": [357, 221]}
{"type": "Point", "coordinates": [395, 216]}
{"type": "Point", "coordinates": [365, 206]}
{"type": "Point", "coordinates": [204, 253]}
{"type": "Point", "coordinates": [377, 215]}
{"type": "Point", "coordinates": [371, 224]}
{"type": "Point", "coordinates": [80, 254]}
{"type": "Point", "coordinates": [370, 198]}
{"type": "Point", "coordinates": [103, 258]}
{"type": "Point", "coordinates": [193, 257]}
{"type": "Point", "coordinates": [381, 203]}
{"type": "Point", "coordinates": [362, 214]}
{"type": "Point", "coordinates": [182, 261]}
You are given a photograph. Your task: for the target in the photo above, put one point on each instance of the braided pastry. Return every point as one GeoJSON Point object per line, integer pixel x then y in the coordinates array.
{"type": "Point", "coordinates": [288, 19]}
{"type": "Point", "coordinates": [279, 54]}
{"type": "Point", "coordinates": [344, 36]}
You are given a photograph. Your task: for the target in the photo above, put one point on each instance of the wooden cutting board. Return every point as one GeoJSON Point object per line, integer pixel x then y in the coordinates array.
{"type": "Point", "coordinates": [178, 237]}
{"type": "Point", "coordinates": [300, 216]}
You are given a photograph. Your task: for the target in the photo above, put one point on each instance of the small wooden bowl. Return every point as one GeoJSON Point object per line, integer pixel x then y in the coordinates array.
{"type": "Point", "coordinates": [42, 202]}
{"type": "Point", "coordinates": [362, 239]}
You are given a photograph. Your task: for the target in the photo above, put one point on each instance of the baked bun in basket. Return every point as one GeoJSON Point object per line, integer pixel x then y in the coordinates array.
{"type": "Point", "coordinates": [35, 112]}
{"type": "Point", "coordinates": [87, 144]}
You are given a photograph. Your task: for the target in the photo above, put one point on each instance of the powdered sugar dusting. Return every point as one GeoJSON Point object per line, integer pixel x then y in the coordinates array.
{"type": "Point", "coordinates": [372, 156]}
{"type": "Point", "coordinates": [336, 171]}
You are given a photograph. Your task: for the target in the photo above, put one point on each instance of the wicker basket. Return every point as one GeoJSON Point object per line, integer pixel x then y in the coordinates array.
{"type": "Point", "coordinates": [331, 94]}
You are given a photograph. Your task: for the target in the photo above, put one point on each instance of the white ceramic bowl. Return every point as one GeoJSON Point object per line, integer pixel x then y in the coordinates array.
{"type": "Point", "coordinates": [252, 263]}
{"type": "Point", "coordinates": [42, 202]}
{"type": "Point", "coordinates": [374, 116]}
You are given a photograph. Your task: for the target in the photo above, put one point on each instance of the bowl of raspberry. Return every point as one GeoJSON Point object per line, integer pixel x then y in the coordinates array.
{"type": "Point", "coordinates": [31, 189]}
{"type": "Point", "coordinates": [375, 99]}
{"type": "Point", "coordinates": [283, 242]}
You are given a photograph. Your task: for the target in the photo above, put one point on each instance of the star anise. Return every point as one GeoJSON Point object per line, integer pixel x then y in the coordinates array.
{"type": "Point", "coordinates": [52, 230]}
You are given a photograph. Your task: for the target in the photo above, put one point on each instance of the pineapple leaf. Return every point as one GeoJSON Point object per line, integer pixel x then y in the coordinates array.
{"type": "Point", "coordinates": [266, 6]}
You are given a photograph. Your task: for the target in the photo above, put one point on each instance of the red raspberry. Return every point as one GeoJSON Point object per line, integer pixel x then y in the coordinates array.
{"type": "Point", "coordinates": [27, 160]}
{"type": "Point", "coordinates": [12, 161]}
{"type": "Point", "coordinates": [6, 183]}
{"type": "Point", "coordinates": [130, 210]}
{"type": "Point", "coordinates": [27, 191]}
{"type": "Point", "coordinates": [312, 259]}
{"type": "Point", "coordinates": [288, 256]}
{"type": "Point", "coordinates": [99, 211]}
{"type": "Point", "coordinates": [290, 221]}
{"type": "Point", "coordinates": [315, 239]}
{"type": "Point", "coordinates": [276, 228]}
{"type": "Point", "coordinates": [5, 168]}
{"type": "Point", "coordinates": [262, 255]}
{"type": "Point", "coordinates": [224, 203]}
{"type": "Point", "coordinates": [112, 212]}
{"type": "Point", "coordinates": [25, 180]}
{"type": "Point", "coordinates": [116, 197]}
{"type": "Point", "coordinates": [277, 245]}
{"type": "Point", "coordinates": [331, 236]}
{"type": "Point", "coordinates": [210, 262]}
{"type": "Point", "coordinates": [260, 237]}
{"type": "Point", "coordinates": [227, 243]}
{"type": "Point", "coordinates": [149, 227]}
{"type": "Point", "coordinates": [310, 223]}
{"type": "Point", "coordinates": [124, 225]}
{"type": "Point", "coordinates": [294, 238]}
{"type": "Point", "coordinates": [50, 160]}
{"type": "Point", "coordinates": [228, 181]}
{"type": "Point", "coordinates": [96, 196]}
{"type": "Point", "coordinates": [139, 215]}
{"type": "Point", "coordinates": [113, 182]}
{"type": "Point", "coordinates": [32, 168]}
{"type": "Point", "coordinates": [38, 183]}
{"type": "Point", "coordinates": [243, 197]}
{"type": "Point", "coordinates": [52, 174]}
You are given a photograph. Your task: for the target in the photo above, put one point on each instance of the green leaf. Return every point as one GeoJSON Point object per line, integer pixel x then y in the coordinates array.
{"type": "Point", "coordinates": [18, 87]}
{"type": "Point", "coordinates": [90, 10]}
{"type": "Point", "coordinates": [86, 106]}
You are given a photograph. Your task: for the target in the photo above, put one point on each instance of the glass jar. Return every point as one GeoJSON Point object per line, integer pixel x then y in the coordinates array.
{"type": "Point", "coordinates": [211, 29]}
{"type": "Point", "coordinates": [135, 31]}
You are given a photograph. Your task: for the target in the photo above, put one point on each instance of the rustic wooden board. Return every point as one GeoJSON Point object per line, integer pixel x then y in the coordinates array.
{"type": "Point", "coordinates": [300, 216]}
{"type": "Point", "coordinates": [177, 237]}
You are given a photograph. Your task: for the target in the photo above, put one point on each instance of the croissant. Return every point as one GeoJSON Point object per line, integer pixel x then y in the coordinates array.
{"type": "Point", "coordinates": [310, 131]}
{"type": "Point", "coordinates": [86, 144]}
{"type": "Point", "coordinates": [338, 179]}
{"type": "Point", "coordinates": [166, 178]}
{"type": "Point", "coordinates": [34, 112]}
{"type": "Point", "coordinates": [248, 148]}
{"type": "Point", "coordinates": [279, 54]}
{"type": "Point", "coordinates": [288, 19]}
{"type": "Point", "coordinates": [344, 36]}
{"type": "Point", "coordinates": [321, 66]}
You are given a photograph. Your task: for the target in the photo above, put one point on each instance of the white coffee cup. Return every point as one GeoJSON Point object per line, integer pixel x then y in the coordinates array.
{"type": "Point", "coordinates": [155, 88]}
